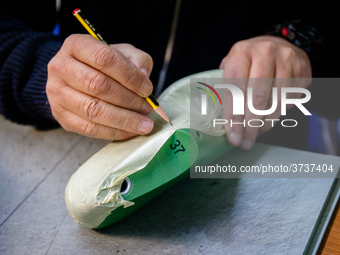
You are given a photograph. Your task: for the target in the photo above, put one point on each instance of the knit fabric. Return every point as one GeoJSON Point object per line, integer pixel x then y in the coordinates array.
{"type": "Point", "coordinates": [24, 55]}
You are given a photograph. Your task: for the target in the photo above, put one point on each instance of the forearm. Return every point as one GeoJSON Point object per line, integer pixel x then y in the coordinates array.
{"type": "Point", "coordinates": [24, 55]}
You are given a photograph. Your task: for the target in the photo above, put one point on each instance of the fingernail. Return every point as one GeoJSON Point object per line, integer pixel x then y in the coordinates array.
{"type": "Point", "coordinates": [146, 108]}
{"type": "Point", "coordinates": [235, 139]}
{"type": "Point", "coordinates": [145, 72]}
{"type": "Point", "coordinates": [145, 90]}
{"type": "Point", "coordinates": [247, 144]}
{"type": "Point", "coordinates": [145, 126]}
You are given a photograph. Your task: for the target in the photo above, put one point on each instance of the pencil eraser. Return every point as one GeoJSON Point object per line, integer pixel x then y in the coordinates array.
{"type": "Point", "coordinates": [76, 11]}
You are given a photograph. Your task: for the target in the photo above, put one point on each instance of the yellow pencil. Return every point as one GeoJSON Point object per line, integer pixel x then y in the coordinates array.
{"type": "Point", "coordinates": [94, 32]}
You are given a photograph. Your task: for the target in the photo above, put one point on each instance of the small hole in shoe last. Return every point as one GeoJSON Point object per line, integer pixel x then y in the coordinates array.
{"type": "Point", "coordinates": [198, 134]}
{"type": "Point", "coordinates": [126, 186]}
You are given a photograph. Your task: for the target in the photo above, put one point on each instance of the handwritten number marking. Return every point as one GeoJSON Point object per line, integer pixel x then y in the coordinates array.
{"type": "Point", "coordinates": [174, 146]}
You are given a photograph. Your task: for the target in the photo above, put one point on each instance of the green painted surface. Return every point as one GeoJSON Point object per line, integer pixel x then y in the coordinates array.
{"type": "Point", "coordinates": [170, 165]}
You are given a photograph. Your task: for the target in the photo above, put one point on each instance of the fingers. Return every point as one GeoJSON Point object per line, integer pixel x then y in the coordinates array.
{"type": "Point", "coordinates": [87, 128]}
{"type": "Point", "coordinates": [94, 83]}
{"type": "Point", "coordinates": [109, 61]}
{"type": "Point", "coordinates": [237, 63]}
{"type": "Point", "coordinates": [293, 62]}
{"type": "Point", "coordinates": [141, 59]}
{"type": "Point", "coordinates": [270, 121]}
{"type": "Point", "coordinates": [257, 59]}
{"type": "Point", "coordinates": [101, 114]}
{"type": "Point", "coordinates": [98, 91]}
{"type": "Point", "coordinates": [234, 131]}
{"type": "Point", "coordinates": [234, 66]}
{"type": "Point", "coordinates": [261, 85]}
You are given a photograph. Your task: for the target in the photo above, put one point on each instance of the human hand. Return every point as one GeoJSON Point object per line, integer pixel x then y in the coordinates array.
{"type": "Point", "coordinates": [261, 57]}
{"type": "Point", "coordinates": [99, 91]}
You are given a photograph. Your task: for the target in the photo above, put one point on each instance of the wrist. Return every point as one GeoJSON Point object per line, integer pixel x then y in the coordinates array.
{"type": "Point", "coordinates": [301, 35]}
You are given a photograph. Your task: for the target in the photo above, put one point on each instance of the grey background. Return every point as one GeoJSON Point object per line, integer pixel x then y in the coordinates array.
{"type": "Point", "coordinates": [196, 216]}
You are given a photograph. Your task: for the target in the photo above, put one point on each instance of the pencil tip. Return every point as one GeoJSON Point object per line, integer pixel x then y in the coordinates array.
{"type": "Point", "coordinates": [171, 123]}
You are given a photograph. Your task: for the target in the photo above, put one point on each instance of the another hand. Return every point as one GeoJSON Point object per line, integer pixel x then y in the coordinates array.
{"type": "Point", "coordinates": [261, 57]}
{"type": "Point", "coordinates": [99, 91]}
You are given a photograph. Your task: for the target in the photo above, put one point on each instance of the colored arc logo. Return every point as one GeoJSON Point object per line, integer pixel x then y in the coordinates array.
{"type": "Point", "coordinates": [208, 92]}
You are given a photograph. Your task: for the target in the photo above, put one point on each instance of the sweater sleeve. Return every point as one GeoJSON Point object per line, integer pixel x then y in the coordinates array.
{"type": "Point", "coordinates": [24, 56]}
